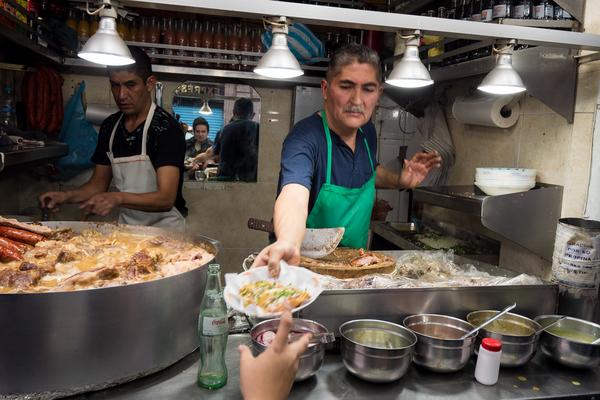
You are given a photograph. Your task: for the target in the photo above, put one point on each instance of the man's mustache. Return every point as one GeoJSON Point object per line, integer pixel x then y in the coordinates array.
{"type": "Point", "coordinates": [355, 109]}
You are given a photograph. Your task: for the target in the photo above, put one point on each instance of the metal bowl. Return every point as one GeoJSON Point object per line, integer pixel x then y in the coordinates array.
{"type": "Point", "coordinates": [439, 347]}
{"type": "Point", "coordinates": [572, 352]}
{"type": "Point", "coordinates": [312, 358]}
{"type": "Point", "coordinates": [516, 332]}
{"type": "Point", "coordinates": [376, 351]}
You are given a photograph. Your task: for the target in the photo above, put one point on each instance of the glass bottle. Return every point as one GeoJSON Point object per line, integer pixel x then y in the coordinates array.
{"type": "Point", "coordinates": [476, 12]}
{"type": "Point", "coordinates": [182, 38]}
{"type": "Point", "coordinates": [522, 9]}
{"type": "Point", "coordinates": [122, 28]}
{"type": "Point", "coordinates": [218, 43]}
{"type": "Point", "coordinates": [134, 27]}
{"type": "Point", "coordinates": [83, 27]}
{"type": "Point", "coordinates": [153, 36]}
{"type": "Point", "coordinates": [8, 116]}
{"type": "Point", "coordinates": [487, 10]}
{"type": "Point", "coordinates": [502, 9]}
{"type": "Point", "coordinates": [245, 45]}
{"type": "Point", "coordinates": [560, 13]}
{"type": "Point", "coordinates": [543, 9]}
{"type": "Point", "coordinates": [451, 12]}
{"type": "Point", "coordinates": [168, 34]}
{"type": "Point", "coordinates": [213, 329]}
{"type": "Point", "coordinates": [257, 46]}
{"type": "Point", "coordinates": [464, 10]}
{"type": "Point", "coordinates": [328, 44]}
{"type": "Point", "coordinates": [196, 39]}
{"type": "Point", "coordinates": [207, 41]}
{"type": "Point", "coordinates": [72, 19]}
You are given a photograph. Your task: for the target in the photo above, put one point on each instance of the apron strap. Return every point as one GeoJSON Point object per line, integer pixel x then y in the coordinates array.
{"type": "Point", "coordinates": [329, 146]}
{"type": "Point", "coordinates": [144, 132]}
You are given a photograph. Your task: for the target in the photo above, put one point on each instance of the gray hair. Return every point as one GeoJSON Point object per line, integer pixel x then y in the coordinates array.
{"type": "Point", "coordinates": [350, 54]}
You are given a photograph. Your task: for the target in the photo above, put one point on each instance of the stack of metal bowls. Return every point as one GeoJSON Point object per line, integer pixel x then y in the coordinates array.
{"type": "Point", "coordinates": [569, 341]}
{"type": "Point", "coordinates": [516, 332]}
{"type": "Point", "coordinates": [312, 358]}
{"type": "Point", "coordinates": [439, 347]}
{"type": "Point", "coordinates": [376, 351]}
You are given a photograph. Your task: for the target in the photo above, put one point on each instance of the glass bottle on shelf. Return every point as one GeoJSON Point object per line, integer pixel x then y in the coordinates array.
{"type": "Point", "coordinates": [257, 46]}
{"type": "Point", "coordinates": [245, 45]}
{"type": "Point", "coordinates": [213, 329]}
{"type": "Point", "coordinates": [234, 44]}
{"type": "Point", "coordinates": [502, 9]}
{"type": "Point", "coordinates": [543, 9]}
{"type": "Point", "coordinates": [476, 10]}
{"type": "Point", "coordinates": [123, 28]}
{"type": "Point", "coordinates": [83, 26]}
{"type": "Point", "coordinates": [134, 27]}
{"type": "Point", "coordinates": [182, 39]}
{"type": "Point", "coordinates": [142, 30]}
{"type": "Point", "coordinates": [168, 34]}
{"type": "Point", "coordinates": [196, 40]}
{"type": "Point", "coordinates": [451, 10]}
{"type": "Point", "coordinates": [153, 36]}
{"type": "Point", "coordinates": [72, 19]}
{"type": "Point", "coordinates": [218, 43]}
{"type": "Point", "coordinates": [487, 10]}
{"type": "Point", "coordinates": [522, 9]}
{"type": "Point", "coordinates": [207, 41]}
{"type": "Point", "coordinates": [328, 43]}
{"type": "Point", "coordinates": [560, 13]}
{"type": "Point", "coordinates": [464, 10]}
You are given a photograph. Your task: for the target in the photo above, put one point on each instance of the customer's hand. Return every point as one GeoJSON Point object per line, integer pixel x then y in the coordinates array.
{"type": "Point", "coordinates": [274, 253]}
{"type": "Point", "coordinates": [270, 375]}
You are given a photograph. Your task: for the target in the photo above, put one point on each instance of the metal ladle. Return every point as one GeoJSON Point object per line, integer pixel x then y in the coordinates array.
{"type": "Point", "coordinates": [549, 325]}
{"type": "Point", "coordinates": [489, 321]}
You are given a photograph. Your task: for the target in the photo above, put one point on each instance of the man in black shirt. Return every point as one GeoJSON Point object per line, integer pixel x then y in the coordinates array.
{"type": "Point", "coordinates": [140, 149]}
{"type": "Point", "coordinates": [238, 144]}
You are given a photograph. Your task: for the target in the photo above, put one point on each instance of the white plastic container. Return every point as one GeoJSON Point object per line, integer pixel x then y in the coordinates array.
{"type": "Point", "coordinates": [488, 361]}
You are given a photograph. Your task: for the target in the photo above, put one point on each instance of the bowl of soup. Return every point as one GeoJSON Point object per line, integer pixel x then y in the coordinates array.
{"type": "Point", "coordinates": [376, 351]}
{"type": "Point", "coordinates": [439, 345]}
{"type": "Point", "coordinates": [569, 342]}
{"type": "Point", "coordinates": [516, 332]}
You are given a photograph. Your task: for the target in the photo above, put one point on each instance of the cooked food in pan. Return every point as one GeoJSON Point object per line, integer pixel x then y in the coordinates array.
{"type": "Point", "coordinates": [272, 296]}
{"type": "Point", "coordinates": [34, 258]}
{"type": "Point", "coordinates": [350, 263]}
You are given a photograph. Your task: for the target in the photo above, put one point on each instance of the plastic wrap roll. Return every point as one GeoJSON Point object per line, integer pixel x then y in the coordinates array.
{"type": "Point", "coordinates": [96, 113]}
{"type": "Point", "coordinates": [487, 111]}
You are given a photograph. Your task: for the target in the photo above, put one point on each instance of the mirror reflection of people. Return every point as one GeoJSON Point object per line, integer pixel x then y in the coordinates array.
{"type": "Point", "coordinates": [197, 145]}
{"type": "Point", "coordinates": [271, 374]}
{"type": "Point", "coordinates": [237, 146]}
{"type": "Point", "coordinates": [329, 169]}
{"type": "Point", "coordinates": [140, 149]}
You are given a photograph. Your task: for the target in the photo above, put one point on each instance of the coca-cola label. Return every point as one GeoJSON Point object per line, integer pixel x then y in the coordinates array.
{"type": "Point", "coordinates": [519, 12]}
{"type": "Point", "coordinates": [214, 326]}
{"type": "Point", "coordinates": [487, 15]}
{"type": "Point", "coordinates": [499, 11]}
{"type": "Point", "coordinates": [476, 17]}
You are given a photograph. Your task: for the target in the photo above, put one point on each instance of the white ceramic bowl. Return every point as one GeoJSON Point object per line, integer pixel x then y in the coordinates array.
{"type": "Point", "coordinates": [499, 190]}
{"type": "Point", "coordinates": [505, 182]}
{"type": "Point", "coordinates": [504, 173]}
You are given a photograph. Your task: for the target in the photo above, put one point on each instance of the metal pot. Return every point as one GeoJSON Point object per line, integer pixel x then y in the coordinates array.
{"type": "Point", "coordinates": [438, 346]}
{"type": "Point", "coordinates": [376, 351]}
{"type": "Point", "coordinates": [60, 343]}
{"type": "Point", "coordinates": [566, 351]}
{"type": "Point", "coordinates": [519, 341]}
{"type": "Point", "coordinates": [312, 358]}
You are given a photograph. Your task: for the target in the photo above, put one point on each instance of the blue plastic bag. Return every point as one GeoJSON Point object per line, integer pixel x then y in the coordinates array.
{"type": "Point", "coordinates": [79, 134]}
{"type": "Point", "coordinates": [303, 44]}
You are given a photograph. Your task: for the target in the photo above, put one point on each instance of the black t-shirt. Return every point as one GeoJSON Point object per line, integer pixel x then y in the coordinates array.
{"type": "Point", "coordinates": [165, 145]}
{"type": "Point", "coordinates": [238, 148]}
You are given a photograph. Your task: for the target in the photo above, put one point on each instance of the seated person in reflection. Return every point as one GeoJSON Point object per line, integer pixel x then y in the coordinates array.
{"type": "Point", "coordinates": [237, 146]}
{"type": "Point", "coordinates": [199, 144]}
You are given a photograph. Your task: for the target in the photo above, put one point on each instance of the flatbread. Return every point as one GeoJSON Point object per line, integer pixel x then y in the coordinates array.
{"type": "Point", "coordinates": [338, 264]}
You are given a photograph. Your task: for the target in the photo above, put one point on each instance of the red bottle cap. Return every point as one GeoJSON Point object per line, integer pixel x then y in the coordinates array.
{"type": "Point", "coordinates": [491, 344]}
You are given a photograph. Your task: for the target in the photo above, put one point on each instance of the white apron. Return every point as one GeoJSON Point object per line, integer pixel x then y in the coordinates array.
{"type": "Point", "coordinates": [136, 174]}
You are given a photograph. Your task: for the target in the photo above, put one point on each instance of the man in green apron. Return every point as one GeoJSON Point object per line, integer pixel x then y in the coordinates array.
{"type": "Point", "coordinates": [329, 171]}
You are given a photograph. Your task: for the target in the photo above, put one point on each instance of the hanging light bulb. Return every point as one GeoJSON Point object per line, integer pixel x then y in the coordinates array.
{"type": "Point", "coordinates": [503, 79]}
{"type": "Point", "coordinates": [279, 62]}
{"type": "Point", "coordinates": [410, 71]}
{"type": "Point", "coordinates": [106, 46]}
{"type": "Point", "coordinates": [205, 109]}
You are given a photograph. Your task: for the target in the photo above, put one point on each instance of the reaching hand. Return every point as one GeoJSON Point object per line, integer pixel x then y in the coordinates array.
{"type": "Point", "coordinates": [417, 168]}
{"type": "Point", "coordinates": [270, 375]}
{"type": "Point", "coordinates": [52, 200]}
{"type": "Point", "coordinates": [274, 253]}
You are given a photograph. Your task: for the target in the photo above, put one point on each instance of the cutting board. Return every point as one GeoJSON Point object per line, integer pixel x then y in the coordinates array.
{"type": "Point", "coordinates": [338, 264]}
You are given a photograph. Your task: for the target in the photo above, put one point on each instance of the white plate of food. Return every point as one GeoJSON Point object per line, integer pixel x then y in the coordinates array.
{"type": "Point", "coordinates": [256, 294]}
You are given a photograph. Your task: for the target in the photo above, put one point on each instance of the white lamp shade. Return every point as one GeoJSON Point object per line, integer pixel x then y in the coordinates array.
{"type": "Point", "coordinates": [205, 109]}
{"type": "Point", "coordinates": [503, 79]}
{"type": "Point", "coordinates": [410, 71]}
{"type": "Point", "coordinates": [106, 46]}
{"type": "Point", "coordinates": [279, 62]}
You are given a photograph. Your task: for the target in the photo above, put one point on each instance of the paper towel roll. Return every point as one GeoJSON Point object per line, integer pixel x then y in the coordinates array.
{"type": "Point", "coordinates": [486, 111]}
{"type": "Point", "coordinates": [96, 113]}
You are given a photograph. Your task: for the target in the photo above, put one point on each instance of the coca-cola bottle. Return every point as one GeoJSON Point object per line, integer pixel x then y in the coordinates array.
{"type": "Point", "coordinates": [212, 330]}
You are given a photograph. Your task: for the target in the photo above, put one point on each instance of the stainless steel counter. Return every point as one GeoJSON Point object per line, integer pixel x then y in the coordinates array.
{"type": "Point", "coordinates": [540, 378]}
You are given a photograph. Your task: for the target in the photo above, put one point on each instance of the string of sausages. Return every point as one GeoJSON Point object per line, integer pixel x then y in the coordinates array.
{"type": "Point", "coordinates": [42, 94]}
{"type": "Point", "coordinates": [14, 242]}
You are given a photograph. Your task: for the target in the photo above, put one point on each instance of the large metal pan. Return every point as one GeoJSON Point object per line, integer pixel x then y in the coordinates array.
{"type": "Point", "coordinates": [61, 343]}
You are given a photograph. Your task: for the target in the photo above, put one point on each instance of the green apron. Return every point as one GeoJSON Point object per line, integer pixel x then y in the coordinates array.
{"type": "Point", "coordinates": [338, 206]}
